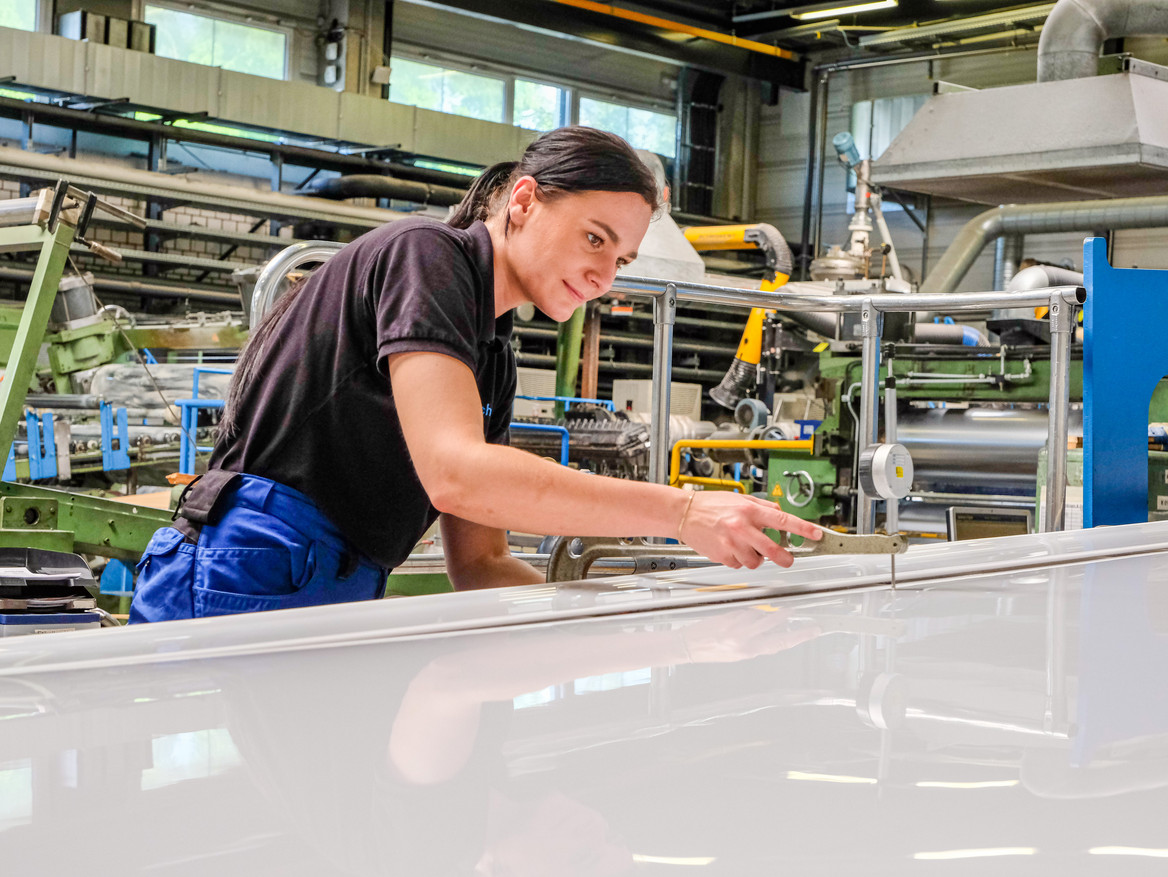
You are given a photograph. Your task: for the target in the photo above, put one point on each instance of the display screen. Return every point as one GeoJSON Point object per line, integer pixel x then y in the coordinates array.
{"type": "Point", "coordinates": [974, 523]}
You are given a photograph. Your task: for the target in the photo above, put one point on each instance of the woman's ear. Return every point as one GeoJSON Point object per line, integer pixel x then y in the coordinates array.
{"type": "Point", "coordinates": [523, 198]}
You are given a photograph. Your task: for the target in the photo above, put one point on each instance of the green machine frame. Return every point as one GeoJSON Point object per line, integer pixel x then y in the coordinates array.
{"type": "Point", "coordinates": [39, 517]}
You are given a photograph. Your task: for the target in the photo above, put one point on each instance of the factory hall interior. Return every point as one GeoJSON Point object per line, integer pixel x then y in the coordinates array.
{"type": "Point", "coordinates": [554, 438]}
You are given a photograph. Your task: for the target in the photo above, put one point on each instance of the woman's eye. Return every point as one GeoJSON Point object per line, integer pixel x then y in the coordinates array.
{"type": "Point", "coordinates": [595, 239]}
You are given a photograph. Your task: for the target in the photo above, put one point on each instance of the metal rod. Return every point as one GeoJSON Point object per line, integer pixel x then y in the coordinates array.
{"type": "Point", "coordinates": [820, 165]}
{"type": "Point", "coordinates": [869, 407]}
{"type": "Point", "coordinates": [1061, 326]}
{"type": "Point", "coordinates": [664, 316]}
{"type": "Point", "coordinates": [892, 505]}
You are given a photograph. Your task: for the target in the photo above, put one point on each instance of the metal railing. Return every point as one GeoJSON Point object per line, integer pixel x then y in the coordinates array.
{"type": "Point", "coordinates": [1062, 301]}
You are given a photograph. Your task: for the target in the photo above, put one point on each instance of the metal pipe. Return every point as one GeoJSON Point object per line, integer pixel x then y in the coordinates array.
{"type": "Point", "coordinates": [1145, 212]}
{"type": "Point", "coordinates": [874, 201]}
{"type": "Point", "coordinates": [664, 315]}
{"type": "Point", "coordinates": [18, 211]}
{"type": "Point", "coordinates": [869, 406]}
{"type": "Point", "coordinates": [1075, 31]}
{"type": "Point", "coordinates": [138, 287]}
{"type": "Point", "coordinates": [1043, 276]}
{"type": "Point", "coordinates": [679, 27]}
{"type": "Point", "coordinates": [270, 284]}
{"type": "Point", "coordinates": [1061, 326]}
{"type": "Point", "coordinates": [378, 186]}
{"type": "Point", "coordinates": [949, 333]}
{"type": "Point", "coordinates": [1007, 256]}
{"type": "Point", "coordinates": [794, 300]}
{"type": "Point", "coordinates": [131, 182]}
{"type": "Point", "coordinates": [806, 253]}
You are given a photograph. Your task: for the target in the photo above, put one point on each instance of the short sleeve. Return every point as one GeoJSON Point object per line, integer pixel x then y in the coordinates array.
{"type": "Point", "coordinates": [423, 287]}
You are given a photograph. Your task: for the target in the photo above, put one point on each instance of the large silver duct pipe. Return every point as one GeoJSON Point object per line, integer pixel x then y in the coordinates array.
{"type": "Point", "coordinates": [1043, 277]}
{"type": "Point", "coordinates": [273, 280]}
{"type": "Point", "coordinates": [1022, 219]}
{"type": "Point", "coordinates": [1075, 31]}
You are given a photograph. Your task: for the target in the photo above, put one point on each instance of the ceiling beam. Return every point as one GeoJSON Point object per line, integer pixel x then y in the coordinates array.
{"type": "Point", "coordinates": [615, 34]}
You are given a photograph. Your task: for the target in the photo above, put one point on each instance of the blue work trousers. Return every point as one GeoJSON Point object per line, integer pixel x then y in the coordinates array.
{"type": "Point", "coordinates": [266, 547]}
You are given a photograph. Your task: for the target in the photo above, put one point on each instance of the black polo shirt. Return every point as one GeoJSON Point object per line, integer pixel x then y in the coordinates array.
{"type": "Point", "coordinates": [318, 414]}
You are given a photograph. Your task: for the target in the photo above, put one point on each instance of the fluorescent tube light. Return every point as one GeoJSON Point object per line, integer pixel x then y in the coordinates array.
{"type": "Point", "coordinates": [829, 10]}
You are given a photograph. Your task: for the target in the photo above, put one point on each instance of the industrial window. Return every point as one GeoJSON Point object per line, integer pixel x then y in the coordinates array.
{"type": "Point", "coordinates": [201, 39]}
{"type": "Point", "coordinates": [644, 129]}
{"type": "Point", "coordinates": [539, 106]}
{"type": "Point", "coordinates": [20, 14]}
{"type": "Point", "coordinates": [448, 91]}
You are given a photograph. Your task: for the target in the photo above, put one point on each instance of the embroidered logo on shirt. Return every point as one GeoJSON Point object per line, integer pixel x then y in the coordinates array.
{"type": "Point", "coordinates": [487, 410]}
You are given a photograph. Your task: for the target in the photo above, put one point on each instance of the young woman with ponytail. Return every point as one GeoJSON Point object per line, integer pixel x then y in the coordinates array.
{"type": "Point", "coordinates": [376, 397]}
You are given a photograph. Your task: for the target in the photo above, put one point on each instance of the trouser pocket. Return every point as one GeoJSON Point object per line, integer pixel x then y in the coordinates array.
{"type": "Point", "coordinates": [228, 580]}
{"type": "Point", "coordinates": [165, 576]}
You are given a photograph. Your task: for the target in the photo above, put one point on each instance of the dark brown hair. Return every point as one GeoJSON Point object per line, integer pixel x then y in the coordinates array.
{"type": "Point", "coordinates": [574, 159]}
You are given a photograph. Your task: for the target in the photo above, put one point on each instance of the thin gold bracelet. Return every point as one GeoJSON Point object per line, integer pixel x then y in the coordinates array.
{"type": "Point", "coordinates": [689, 503]}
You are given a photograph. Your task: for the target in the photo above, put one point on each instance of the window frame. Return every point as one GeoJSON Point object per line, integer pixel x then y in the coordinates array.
{"type": "Point", "coordinates": [574, 90]}
{"type": "Point", "coordinates": [610, 98]}
{"type": "Point", "coordinates": [289, 33]}
{"type": "Point", "coordinates": [468, 69]}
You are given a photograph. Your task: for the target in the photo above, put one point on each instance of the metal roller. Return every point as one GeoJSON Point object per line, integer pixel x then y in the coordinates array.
{"type": "Point", "coordinates": [977, 446]}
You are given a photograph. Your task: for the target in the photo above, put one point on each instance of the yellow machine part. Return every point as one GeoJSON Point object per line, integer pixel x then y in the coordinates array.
{"type": "Point", "coordinates": [719, 237]}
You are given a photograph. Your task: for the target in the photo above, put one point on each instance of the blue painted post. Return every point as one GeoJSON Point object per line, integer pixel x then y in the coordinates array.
{"type": "Point", "coordinates": [114, 459]}
{"type": "Point", "coordinates": [1124, 357]}
{"type": "Point", "coordinates": [42, 446]}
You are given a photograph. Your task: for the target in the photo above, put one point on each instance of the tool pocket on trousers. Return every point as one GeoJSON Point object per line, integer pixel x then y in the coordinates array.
{"type": "Point", "coordinates": [162, 546]}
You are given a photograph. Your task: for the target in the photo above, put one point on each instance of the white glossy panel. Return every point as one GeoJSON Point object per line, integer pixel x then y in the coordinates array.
{"type": "Point", "coordinates": [1004, 721]}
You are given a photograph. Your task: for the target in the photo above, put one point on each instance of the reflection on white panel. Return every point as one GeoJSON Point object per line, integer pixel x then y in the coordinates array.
{"type": "Point", "coordinates": [15, 793]}
{"type": "Point", "coordinates": [613, 681]}
{"type": "Point", "coordinates": [536, 698]}
{"type": "Point", "coordinates": [190, 755]}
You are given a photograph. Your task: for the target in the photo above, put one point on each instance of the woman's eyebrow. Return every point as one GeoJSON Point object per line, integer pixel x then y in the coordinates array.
{"type": "Point", "coordinates": [607, 229]}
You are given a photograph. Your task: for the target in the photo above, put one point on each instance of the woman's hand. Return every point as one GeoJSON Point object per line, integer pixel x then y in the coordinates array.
{"type": "Point", "coordinates": [728, 528]}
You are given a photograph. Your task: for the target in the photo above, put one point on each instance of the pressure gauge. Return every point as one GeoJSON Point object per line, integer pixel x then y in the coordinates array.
{"type": "Point", "coordinates": [886, 471]}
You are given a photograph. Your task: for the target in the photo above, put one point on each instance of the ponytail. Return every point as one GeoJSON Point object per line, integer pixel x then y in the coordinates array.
{"type": "Point", "coordinates": [478, 202]}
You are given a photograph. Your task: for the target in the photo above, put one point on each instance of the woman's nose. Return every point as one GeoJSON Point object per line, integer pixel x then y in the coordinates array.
{"type": "Point", "coordinates": [602, 276]}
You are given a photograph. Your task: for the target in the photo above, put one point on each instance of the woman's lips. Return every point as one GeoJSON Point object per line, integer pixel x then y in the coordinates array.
{"type": "Point", "coordinates": [575, 294]}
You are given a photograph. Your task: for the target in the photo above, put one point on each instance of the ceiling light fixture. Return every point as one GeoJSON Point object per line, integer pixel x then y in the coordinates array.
{"type": "Point", "coordinates": [829, 10]}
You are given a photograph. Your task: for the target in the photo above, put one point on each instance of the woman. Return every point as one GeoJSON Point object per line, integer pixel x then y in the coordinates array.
{"type": "Point", "coordinates": [377, 396]}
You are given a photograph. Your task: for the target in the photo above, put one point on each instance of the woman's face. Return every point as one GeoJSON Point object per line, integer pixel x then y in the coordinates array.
{"type": "Point", "coordinates": [565, 250]}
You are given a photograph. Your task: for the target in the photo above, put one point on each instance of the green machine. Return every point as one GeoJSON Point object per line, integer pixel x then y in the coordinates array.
{"type": "Point", "coordinates": [37, 519]}
{"type": "Point", "coordinates": [974, 419]}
